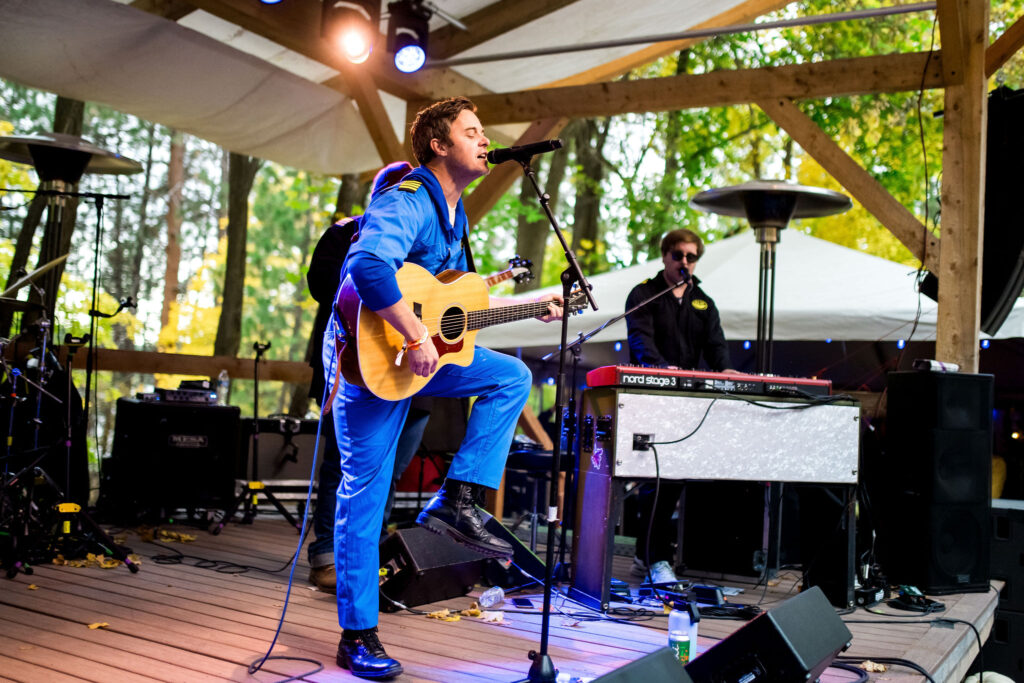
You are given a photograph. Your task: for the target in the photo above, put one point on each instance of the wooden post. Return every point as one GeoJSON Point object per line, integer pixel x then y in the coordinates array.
{"type": "Point", "coordinates": [963, 188]}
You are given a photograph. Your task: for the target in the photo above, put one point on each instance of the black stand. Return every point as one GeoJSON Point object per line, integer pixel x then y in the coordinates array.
{"type": "Point", "coordinates": [254, 487]}
{"type": "Point", "coordinates": [543, 669]}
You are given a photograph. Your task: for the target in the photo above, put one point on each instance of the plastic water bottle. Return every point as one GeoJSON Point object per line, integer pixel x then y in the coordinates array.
{"type": "Point", "coordinates": [223, 382]}
{"type": "Point", "coordinates": [491, 597]}
{"type": "Point", "coordinates": [679, 632]}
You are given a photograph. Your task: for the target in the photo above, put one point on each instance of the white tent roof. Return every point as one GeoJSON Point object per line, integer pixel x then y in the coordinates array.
{"type": "Point", "coordinates": [822, 291]}
{"type": "Point", "coordinates": [210, 77]}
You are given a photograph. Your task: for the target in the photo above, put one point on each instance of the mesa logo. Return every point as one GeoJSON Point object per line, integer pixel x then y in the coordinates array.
{"type": "Point", "coordinates": [187, 441]}
{"type": "Point", "coordinates": [649, 380]}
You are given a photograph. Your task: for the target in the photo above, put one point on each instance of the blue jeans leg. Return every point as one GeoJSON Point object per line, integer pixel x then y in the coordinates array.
{"type": "Point", "coordinates": [321, 549]}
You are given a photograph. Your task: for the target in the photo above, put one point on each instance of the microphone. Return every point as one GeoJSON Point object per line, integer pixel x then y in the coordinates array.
{"type": "Point", "coordinates": [523, 152]}
{"type": "Point", "coordinates": [684, 277]}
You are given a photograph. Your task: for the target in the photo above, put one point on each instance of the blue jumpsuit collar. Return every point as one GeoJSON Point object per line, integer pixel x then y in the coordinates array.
{"type": "Point", "coordinates": [433, 186]}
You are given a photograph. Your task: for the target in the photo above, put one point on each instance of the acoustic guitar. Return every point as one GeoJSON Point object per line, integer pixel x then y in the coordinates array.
{"type": "Point", "coordinates": [453, 306]}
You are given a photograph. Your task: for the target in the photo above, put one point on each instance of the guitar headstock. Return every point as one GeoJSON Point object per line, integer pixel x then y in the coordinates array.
{"type": "Point", "coordinates": [577, 301]}
{"type": "Point", "coordinates": [520, 268]}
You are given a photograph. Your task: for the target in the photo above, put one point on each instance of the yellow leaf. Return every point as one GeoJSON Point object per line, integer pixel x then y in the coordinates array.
{"type": "Point", "coordinates": [98, 624]}
{"type": "Point", "coordinates": [32, 587]}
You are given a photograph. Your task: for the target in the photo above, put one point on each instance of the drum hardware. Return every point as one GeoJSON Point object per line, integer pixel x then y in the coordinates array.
{"type": "Point", "coordinates": [60, 160]}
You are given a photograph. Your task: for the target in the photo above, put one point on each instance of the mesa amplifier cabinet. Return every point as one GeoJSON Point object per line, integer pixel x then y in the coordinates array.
{"type": "Point", "coordinates": [169, 456]}
{"type": "Point", "coordinates": [702, 436]}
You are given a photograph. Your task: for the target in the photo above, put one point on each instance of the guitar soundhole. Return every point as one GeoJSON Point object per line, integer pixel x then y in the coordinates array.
{"type": "Point", "coordinates": [453, 324]}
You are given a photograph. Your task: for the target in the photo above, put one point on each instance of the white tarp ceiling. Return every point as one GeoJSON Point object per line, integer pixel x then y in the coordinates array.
{"type": "Point", "coordinates": [822, 291]}
{"type": "Point", "coordinates": [214, 80]}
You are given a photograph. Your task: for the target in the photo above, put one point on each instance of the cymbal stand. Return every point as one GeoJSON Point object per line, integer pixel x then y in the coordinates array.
{"type": "Point", "coordinates": [254, 487]}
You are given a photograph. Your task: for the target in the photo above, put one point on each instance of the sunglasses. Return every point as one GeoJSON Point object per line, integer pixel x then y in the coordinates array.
{"type": "Point", "coordinates": [679, 255]}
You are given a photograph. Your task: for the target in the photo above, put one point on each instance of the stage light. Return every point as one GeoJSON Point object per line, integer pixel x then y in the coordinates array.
{"type": "Point", "coordinates": [618, 346]}
{"type": "Point", "coordinates": [900, 343]}
{"type": "Point", "coordinates": [828, 340]}
{"type": "Point", "coordinates": [351, 25]}
{"type": "Point", "coordinates": [746, 345]}
{"type": "Point", "coordinates": [985, 343]}
{"type": "Point", "coordinates": [408, 30]}
{"type": "Point", "coordinates": [270, 2]}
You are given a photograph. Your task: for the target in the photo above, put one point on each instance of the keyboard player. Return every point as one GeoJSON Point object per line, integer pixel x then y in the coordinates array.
{"type": "Point", "coordinates": [674, 331]}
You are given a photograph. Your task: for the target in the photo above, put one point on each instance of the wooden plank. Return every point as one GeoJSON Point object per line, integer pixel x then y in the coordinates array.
{"type": "Point", "coordinates": [168, 9]}
{"type": "Point", "coordinates": [740, 14]}
{"type": "Point", "coordinates": [485, 195]}
{"type": "Point", "coordinates": [1004, 47]}
{"type": "Point", "coordinates": [375, 117]}
{"type": "Point", "coordinates": [851, 175]}
{"type": "Point", "coordinates": [489, 22]}
{"type": "Point", "coordinates": [951, 28]}
{"type": "Point", "coordinates": [838, 77]}
{"type": "Point", "coordinates": [963, 207]}
{"type": "Point", "coordinates": [149, 362]}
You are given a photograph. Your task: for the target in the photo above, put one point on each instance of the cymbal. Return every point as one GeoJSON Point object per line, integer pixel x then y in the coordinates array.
{"type": "Point", "coordinates": [774, 201]}
{"type": "Point", "coordinates": [10, 291]}
{"type": "Point", "coordinates": [59, 156]}
{"type": "Point", "coordinates": [18, 305]}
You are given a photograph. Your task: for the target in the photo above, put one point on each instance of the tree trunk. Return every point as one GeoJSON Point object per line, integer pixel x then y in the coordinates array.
{"type": "Point", "coordinates": [22, 248]}
{"type": "Point", "coordinates": [351, 193]}
{"type": "Point", "coordinates": [589, 141]}
{"type": "Point", "coordinates": [144, 233]}
{"type": "Point", "coordinates": [175, 181]}
{"type": "Point", "coordinates": [241, 173]}
{"type": "Point", "coordinates": [532, 237]}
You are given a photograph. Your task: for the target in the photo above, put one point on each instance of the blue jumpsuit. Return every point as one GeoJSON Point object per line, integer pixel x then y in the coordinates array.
{"type": "Point", "coordinates": [409, 223]}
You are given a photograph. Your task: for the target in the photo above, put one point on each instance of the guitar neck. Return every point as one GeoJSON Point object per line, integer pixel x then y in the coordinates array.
{"type": "Point", "coordinates": [477, 320]}
{"type": "Point", "coordinates": [492, 280]}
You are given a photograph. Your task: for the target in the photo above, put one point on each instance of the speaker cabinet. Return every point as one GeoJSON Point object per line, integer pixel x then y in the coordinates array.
{"type": "Point", "coordinates": [425, 567]}
{"type": "Point", "coordinates": [1008, 553]}
{"type": "Point", "coordinates": [931, 492]}
{"type": "Point", "coordinates": [1004, 649]}
{"type": "Point", "coordinates": [828, 540]}
{"type": "Point", "coordinates": [661, 666]}
{"type": "Point", "coordinates": [1002, 272]}
{"type": "Point", "coordinates": [796, 641]}
{"type": "Point", "coordinates": [169, 456]}
{"type": "Point", "coordinates": [286, 448]}
{"type": "Point", "coordinates": [730, 527]}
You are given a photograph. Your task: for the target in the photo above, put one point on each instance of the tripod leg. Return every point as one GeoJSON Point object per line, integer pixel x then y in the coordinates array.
{"type": "Point", "coordinates": [281, 508]}
{"type": "Point", "coordinates": [230, 512]}
{"type": "Point", "coordinates": [101, 538]}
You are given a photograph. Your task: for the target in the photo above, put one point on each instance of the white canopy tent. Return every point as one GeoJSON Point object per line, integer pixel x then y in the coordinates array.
{"type": "Point", "coordinates": [822, 291]}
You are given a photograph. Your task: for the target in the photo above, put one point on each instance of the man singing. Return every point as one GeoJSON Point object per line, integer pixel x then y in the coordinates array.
{"type": "Point", "coordinates": [421, 221]}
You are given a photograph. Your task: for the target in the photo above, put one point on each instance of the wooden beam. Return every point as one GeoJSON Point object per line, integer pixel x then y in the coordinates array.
{"type": "Point", "coordinates": [375, 117]}
{"type": "Point", "coordinates": [963, 207]}
{"type": "Point", "coordinates": [865, 189]}
{"type": "Point", "coordinates": [150, 362]}
{"type": "Point", "coordinates": [890, 73]}
{"type": "Point", "coordinates": [951, 29]}
{"type": "Point", "coordinates": [741, 14]}
{"type": "Point", "coordinates": [1004, 47]}
{"type": "Point", "coordinates": [296, 26]}
{"type": "Point", "coordinates": [490, 22]}
{"type": "Point", "coordinates": [489, 191]}
{"type": "Point", "coordinates": [168, 9]}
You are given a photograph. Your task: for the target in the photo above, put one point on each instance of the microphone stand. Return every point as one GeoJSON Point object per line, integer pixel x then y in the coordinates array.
{"type": "Point", "coordinates": [542, 670]}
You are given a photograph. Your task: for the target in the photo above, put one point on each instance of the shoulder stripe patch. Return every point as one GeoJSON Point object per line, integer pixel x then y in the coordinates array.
{"type": "Point", "coordinates": [410, 185]}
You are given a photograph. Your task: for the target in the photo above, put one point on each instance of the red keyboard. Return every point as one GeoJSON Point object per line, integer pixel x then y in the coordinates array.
{"type": "Point", "coordinates": [697, 380]}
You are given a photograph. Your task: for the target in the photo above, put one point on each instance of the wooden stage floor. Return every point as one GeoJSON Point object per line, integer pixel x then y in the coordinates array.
{"type": "Point", "coordinates": [181, 622]}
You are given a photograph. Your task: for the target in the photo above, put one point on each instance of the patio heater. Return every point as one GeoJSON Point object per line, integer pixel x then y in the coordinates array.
{"type": "Point", "coordinates": [769, 206]}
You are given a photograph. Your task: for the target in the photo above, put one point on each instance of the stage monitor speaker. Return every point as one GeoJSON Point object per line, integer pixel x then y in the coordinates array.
{"type": "Point", "coordinates": [796, 641]}
{"type": "Point", "coordinates": [286, 449]}
{"type": "Point", "coordinates": [425, 567]}
{"type": "Point", "coordinates": [931, 492]}
{"type": "Point", "coordinates": [1008, 553]}
{"type": "Point", "coordinates": [660, 666]}
{"type": "Point", "coordinates": [525, 566]}
{"type": "Point", "coordinates": [169, 456]}
{"type": "Point", "coordinates": [1002, 273]}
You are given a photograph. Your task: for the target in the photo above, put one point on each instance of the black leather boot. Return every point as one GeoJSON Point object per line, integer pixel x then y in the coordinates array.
{"type": "Point", "coordinates": [452, 511]}
{"type": "Point", "coordinates": [361, 653]}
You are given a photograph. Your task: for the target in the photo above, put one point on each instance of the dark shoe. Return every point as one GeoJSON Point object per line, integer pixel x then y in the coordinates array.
{"type": "Point", "coordinates": [452, 511]}
{"type": "Point", "coordinates": [362, 654]}
{"type": "Point", "coordinates": [324, 578]}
